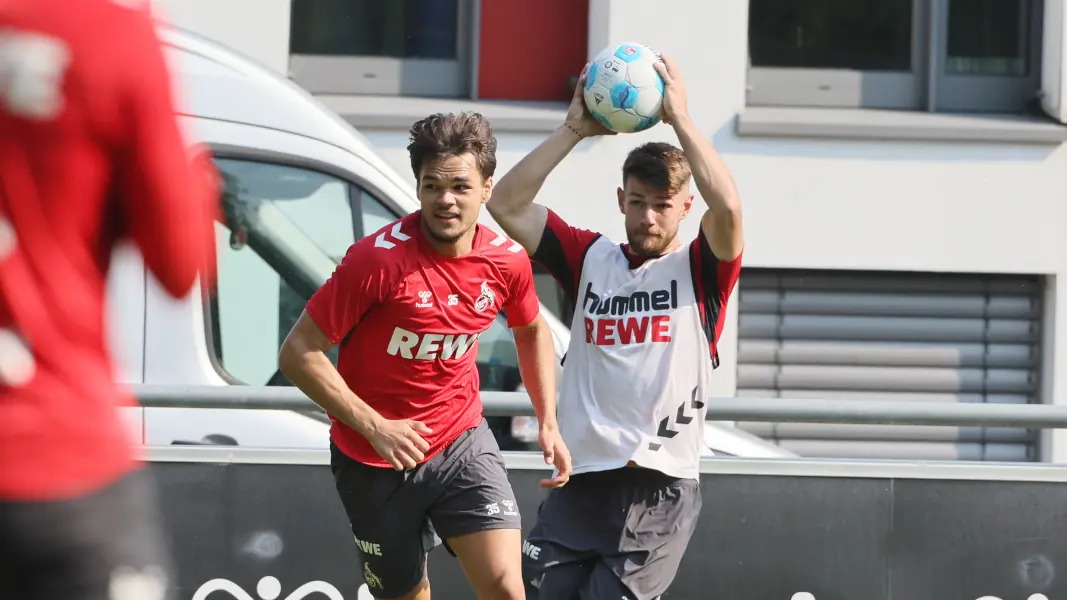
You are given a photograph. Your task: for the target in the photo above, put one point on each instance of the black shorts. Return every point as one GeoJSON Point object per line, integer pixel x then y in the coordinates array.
{"type": "Point", "coordinates": [108, 545]}
{"type": "Point", "coordinates": [610, 535]}
{"type": "Point", "coordinates": [397, 517]}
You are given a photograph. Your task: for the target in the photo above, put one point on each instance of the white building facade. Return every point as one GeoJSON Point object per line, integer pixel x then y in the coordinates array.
{"type": "Point", "coordinates": [901, 162]}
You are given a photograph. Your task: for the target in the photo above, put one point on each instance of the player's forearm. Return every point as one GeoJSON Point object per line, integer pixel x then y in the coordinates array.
{"type": "Point", "coordinates": [519, 186]}
{"type": "Point", "coordinates": [537, 366]}
{"type": "Point", "coordinates": [710, 174]}
{"type": "Point", "coordinates": [311, 372]}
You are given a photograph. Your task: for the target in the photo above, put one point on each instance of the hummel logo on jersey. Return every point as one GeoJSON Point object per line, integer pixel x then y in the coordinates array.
{"type": "Point", "coordinates": [602, 330]}
{"type": "Point", "coordinates": [485, 298]}
{"type": "Point", "coordinates": [383, 239]}
{"type": "Point", "coordinates": [425, 299]}
{"type": "Point", "coordinates": [430, 346]}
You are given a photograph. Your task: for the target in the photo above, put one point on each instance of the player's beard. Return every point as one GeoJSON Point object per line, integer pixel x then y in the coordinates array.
{"type": "Point", "coordinates": [650, 245]}
{"type": "Point", "coordinates": [445, 238]}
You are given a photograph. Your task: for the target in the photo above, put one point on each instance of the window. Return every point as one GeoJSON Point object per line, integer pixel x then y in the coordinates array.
{"type": "Point", "coordinates": [285, 230]}
{"type": "Point", "coordinates": [409, 47]}
{"type": "Point", "coordinates": [941, 55]}
{"type": "Point", "coordinates": [374, 215]}
{"type": "Point", "coordinates": [892, 337]}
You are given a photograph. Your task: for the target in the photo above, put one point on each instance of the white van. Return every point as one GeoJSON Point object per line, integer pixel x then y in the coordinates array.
{"type": "Point", "coordinates": [300, 186]}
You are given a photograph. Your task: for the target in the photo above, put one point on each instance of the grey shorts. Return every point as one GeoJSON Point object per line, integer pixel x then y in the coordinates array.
{"type": "Point", "coordinates": [610, 535]}
{"type": "Point", "coordinates": [397, 517]}
{"type": "Point", "coordinates": [108, 545]}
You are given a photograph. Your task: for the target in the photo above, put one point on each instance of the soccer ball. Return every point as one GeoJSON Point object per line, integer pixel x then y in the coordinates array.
{"type": "Point", "coordinates": [622, 88]}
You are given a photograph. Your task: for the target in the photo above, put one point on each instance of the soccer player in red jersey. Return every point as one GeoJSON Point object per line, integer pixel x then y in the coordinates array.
{"type": "Point", "coordinates": [411, 454]}
{"type": "Point", "coordinates": [90, 154]}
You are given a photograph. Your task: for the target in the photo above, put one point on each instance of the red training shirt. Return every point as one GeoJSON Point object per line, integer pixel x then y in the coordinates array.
{"type": "Point", "coordinates": [90, 153]}
{"type": "Point", "coordinates": [408, 320]}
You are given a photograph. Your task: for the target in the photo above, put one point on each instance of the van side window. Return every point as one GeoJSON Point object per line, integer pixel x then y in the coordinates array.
{"type": "Point", "coordinates": [375, 216]}
{"type": "Point", "coordinates": [284, 230]}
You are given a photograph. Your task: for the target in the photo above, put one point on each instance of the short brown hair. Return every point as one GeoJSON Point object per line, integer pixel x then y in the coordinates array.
{"type": "Point", "coordinates": [441, 135]}
{"type": "Point", "coordinates": [659, 165]}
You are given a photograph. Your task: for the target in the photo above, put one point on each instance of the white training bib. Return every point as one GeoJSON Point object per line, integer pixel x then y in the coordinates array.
{"type": "Point", "coordinates": [636, 375]}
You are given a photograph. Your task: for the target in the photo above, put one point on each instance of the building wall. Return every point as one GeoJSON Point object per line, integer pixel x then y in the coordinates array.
{"type": "Point", "coordinates": [815, 202]}
{"type": "Point", "coordinates": [257, 28]}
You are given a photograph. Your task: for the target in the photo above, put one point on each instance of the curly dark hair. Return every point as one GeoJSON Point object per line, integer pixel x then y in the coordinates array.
{"type": "Point", "coordinates": [442, 135]}
{"type": "Point", "coordinates": [659, 165]}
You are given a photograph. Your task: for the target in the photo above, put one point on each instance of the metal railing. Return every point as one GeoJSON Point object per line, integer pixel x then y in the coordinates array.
{"type": "Point", "coordinates": [780, 410]}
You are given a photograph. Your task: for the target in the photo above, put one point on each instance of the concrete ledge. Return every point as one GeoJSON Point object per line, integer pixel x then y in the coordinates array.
{"type": "Point", "coordinates": [857, 124]}
{"type": "Point", "coordinates": [399, 112]}
{"type": "Point", "coordinates": [775, 467]}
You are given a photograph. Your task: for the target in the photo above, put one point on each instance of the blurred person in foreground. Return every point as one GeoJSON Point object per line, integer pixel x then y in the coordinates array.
{"type": "Point", "coordinates": [648, 315]}
{"type": "Point", "coordinates": [90, 155]}
{"type": "Point", "coordinates": [412, 457]}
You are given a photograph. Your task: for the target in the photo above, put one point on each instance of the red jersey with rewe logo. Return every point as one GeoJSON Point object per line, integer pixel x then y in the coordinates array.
{"type": "Point", "coordinates": [90, 154]}
{"type": "Point", "coordinates": [408, 321]}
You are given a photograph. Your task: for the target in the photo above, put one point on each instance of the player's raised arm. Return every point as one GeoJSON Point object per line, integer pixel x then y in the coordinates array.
{"type": "Point", "coordinates": [169, 196]}
{"type": "Point", "coordinates": [512, 204]}
{"type": "Point", "coordinates": [721, 224]}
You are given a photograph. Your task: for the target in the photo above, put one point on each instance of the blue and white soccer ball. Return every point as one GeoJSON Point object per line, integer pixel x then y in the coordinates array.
{"type": "Point", "coordinates": [622, 88]}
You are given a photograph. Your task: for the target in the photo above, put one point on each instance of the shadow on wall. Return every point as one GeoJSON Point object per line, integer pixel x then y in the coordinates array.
{"type": "Point", "coordinates": [727, 141]}
{"type": "Point", "coordinates": [507, 141]}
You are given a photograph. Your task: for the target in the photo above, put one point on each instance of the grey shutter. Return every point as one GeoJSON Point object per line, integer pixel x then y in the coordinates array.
{"type": "Point", "coordinates": [912, 337]}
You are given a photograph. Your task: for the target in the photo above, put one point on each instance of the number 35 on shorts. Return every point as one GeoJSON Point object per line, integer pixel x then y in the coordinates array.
{"type": "Point", "coordinates": [507, 507]}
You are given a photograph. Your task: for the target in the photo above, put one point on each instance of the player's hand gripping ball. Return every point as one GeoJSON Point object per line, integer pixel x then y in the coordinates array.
{"type": "Point", "coordinates": [622, 88]}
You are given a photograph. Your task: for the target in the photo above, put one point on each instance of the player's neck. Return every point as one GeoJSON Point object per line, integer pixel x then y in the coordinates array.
{"type": "Point", "coordinates": [461, 247]}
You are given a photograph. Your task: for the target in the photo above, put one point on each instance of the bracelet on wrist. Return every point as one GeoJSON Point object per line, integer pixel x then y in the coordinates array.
{"type": "Point", "coordinates": [575, 131]}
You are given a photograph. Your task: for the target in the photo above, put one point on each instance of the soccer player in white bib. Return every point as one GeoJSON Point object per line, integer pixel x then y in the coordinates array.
{"type": "Point", "coordinates": [648, 314]}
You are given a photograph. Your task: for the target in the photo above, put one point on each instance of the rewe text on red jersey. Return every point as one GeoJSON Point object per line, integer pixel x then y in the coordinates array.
{"type": "Point", "coordinates": [430, 346]}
